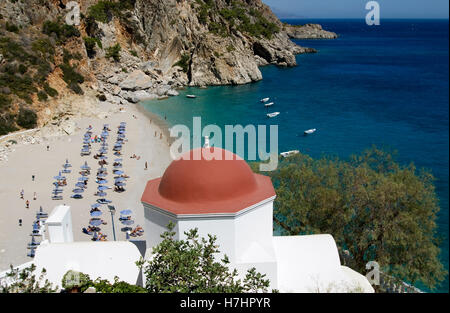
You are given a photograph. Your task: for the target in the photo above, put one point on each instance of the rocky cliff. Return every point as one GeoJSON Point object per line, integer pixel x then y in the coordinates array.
{"type": "Point", "coordinates": [130, 50]}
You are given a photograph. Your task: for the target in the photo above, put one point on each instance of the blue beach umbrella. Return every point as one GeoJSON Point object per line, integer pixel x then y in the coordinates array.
{"type": "Point", "coordinates": [96, 213]}
{"type": "Point", "coordinates": [103, 181]}
{"type": "Point", "coordinates": [101, 194]}
{"type": "Point", "coordinates": [95, 222]}
{"type": "Point", "coordinates": [78, 190]}
{"type": "Point", "coordinates": [101, 175]}
{"type": "Point", "coordinates": [83, 178]}
{"type": "Point", "coordinates": [128, 222]}
{"type": "Point", "coordinates": [118, 166]}
{"type": "Point", "coordinates": [120, 179]}
{"type": "Point", "coordinates": [95, 205]}
{"type": "Point", "coordinates": [126, 212]}
{"type": "Point", "coordinates": [120, 184]}
{"type": "Point", "coordinates": [103, 188]}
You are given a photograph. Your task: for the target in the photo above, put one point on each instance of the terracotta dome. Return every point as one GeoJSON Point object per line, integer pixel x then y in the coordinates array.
{"type": "Point", "coordinates": [188, 180]}
{"type": "Point", "coordinates": [199, 183]}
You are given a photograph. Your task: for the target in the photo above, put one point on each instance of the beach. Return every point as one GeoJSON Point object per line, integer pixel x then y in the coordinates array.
{"type": "Point", "coordinates": [27, 159]}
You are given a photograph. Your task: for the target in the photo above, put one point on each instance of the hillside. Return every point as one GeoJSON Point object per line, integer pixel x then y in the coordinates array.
{"type": "Point", "coordinates": [128, 50]}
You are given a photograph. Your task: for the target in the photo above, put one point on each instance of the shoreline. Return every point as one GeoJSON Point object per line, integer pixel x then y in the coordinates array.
{"type": "Point", "coordinates": [27, 158]}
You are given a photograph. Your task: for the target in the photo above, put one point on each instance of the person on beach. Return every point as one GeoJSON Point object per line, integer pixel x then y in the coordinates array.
{"type": "Point", "coordinates": [146, 165]}
{"type": "Point", "coordinates": [34, 196]}
{"type": "Point", "coordinates": [20, 222]}
{"type": "Point", "coordinates": [32, 177]}
{"type": "Point", "coordinates": [48, 148]}
{"type": "Point", "coordinates": [21, 194]}
{"type": "Point", "coordinates": [27, 204]}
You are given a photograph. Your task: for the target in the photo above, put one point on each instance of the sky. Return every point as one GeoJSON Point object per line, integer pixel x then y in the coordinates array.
{"type": "Point", "coordinates": [356, 8]}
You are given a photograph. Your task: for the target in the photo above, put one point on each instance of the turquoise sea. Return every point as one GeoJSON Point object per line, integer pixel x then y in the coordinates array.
{"type": "Point", "coordinates": [385, 85]}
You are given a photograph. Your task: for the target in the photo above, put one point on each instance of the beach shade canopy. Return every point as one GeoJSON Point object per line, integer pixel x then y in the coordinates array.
{"type": "Point", "coordinates": [101, 151]}
{"type": "Point", "coordinates": [80, 185]}
{"type": "Point", "coordinates": [78, 190]}
{"type": "Point", "coordinates": [83, 178]}
{"type": "Point", "coordinates": [95, 222]}
{"type": "Point", "coordinates": [118, 172]}
{"type": "Point", "coordinates": [67, 165]}
{"type": "Point", "coordinates": [101, 194]}
{"type": "Point", "coordinates": [120, 179]}
{"type": "Point", "coordinates": [66, 171]}
{"type": "Point", "coordinates": [85, 167]}
{"type": "Point", "coordinates": [126, 212]}
{"type": "Point", "coordinates": [95, 205]}
{"type": "Point", "coordinates": [103, 157]}
{"type": "Point", "coordinates": [103, 181]}
{"type": "Point", "coordinates": [101, 175]}
{"type": "Point", "coordinates": [128, 222]}
{"type": "Point", "coordinates": [102, 188]}
{"type": "Point", "coordinates": [96, 213]}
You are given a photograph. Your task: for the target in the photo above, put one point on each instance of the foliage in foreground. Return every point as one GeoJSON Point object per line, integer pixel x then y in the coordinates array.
{"type": "Point", "coordinates": [190, 266]}
{"type": "Point", "coordinates": [25, 281]}
{"type": "Point", "coordinates": [187, 266]}
{"type": "Point", "coordinates": [374, 208]}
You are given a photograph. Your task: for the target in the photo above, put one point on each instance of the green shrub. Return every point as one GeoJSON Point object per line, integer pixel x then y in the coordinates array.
{"type": "Point", "coordinates": [89, 43]}
{"type": "Point", "coordinates": [27, 118]}
{"type": "Point", "coordinates": [7, 124]}
{"type": "Point", "coordinates": [11, 28]}
{"type": "Point", "coordinates": [50, 91]}
{"type": "Point", "coordinates": [114, 52]}
{"type": "Point", "coordinates": [72, 78]}
{"type": "Point", "coordinates": [133, 53]}
{"type": "Point", "coordinates": [61, 31]}
{"type": "Point", "coordinates": [184, 62]}
{"type": "Point", "coordinates": [42, 96]}
{"type": "Point", "coordinates": [5, 102]}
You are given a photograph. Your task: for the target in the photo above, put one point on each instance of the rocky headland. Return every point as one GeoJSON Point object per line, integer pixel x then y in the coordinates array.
{"type": "Point", "coordinates": [126, 51]}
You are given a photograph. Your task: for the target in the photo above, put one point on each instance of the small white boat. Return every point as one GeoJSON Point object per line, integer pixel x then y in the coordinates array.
{"type": "Point", "coordinates": [265, 99]}
{"type": "Point", "coordinates": [270, 115]}
{"type": "Point", "coordinates": [269, 104]}
{"type": "Point", "coordinates": [191, 96]}
{"type": "Point", "coordinates": [289, 153]}
{"type": "Point", "coordinates": [310, 131]}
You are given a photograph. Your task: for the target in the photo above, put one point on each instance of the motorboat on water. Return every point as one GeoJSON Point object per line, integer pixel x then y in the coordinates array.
{"type": "Point", "coordinates": [270, 115]}
{"type": "Point", "coordinates": [310, 131]}
{"type": "Point", "coordinates": [269, 104]}
{"type": "Point", "coordinates": [289, 153]}
{"type": "Point", "coordinates": [265, 99]}
{"type": "Point", "coordinates": [191, 96]}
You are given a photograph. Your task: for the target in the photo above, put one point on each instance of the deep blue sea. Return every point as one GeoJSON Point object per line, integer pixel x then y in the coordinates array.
{"type": "Point", "coordinates": [385, 85]}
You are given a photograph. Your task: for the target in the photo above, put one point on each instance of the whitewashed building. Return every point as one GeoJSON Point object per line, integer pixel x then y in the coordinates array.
{"type": "Point", "coordinates": [223, 197]}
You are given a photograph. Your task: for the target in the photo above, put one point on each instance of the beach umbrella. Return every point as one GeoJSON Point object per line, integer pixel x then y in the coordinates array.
{"type": "Point", "coordinates": [67, 165]}
{"type": "Point", "coordinates": [80, 185]}
{"type": "Point", "coordinates": [102, 188]}
{"type": "Point", "coordinates": [103, 181]}
{"type": "Point", "coordinates": [95, 222]}
{"type": "Point", "coordinates": [128, 222]}
{"type": "Point", "coordinates": [83, 178]}
{"type": "Point", "coordinates": [103, 157]}
{"type": "Point", "coordinates": [126, 212]}
{"type": "Point", "coordinates": [95, 205]}
{"type": "Point", "coordinates": [66, 171]}
{"type": "Point", "coordinates": [118, 160]}
{"type": "Point", "coordinates": [101, 175]}
{"type": "Point", "coordinates": [118, 165]}
{"type": "Point", "coordinates": [96, 213]}
{"type": "Point", "coordinates": [101, 151]}
{"type": "Point", "coordinates": [120, 184]}
{"type": "Point", "coordinates": [78, 190]}
{"type": "Point", "coordinates": [101, 194]}
{"type": "Point", "coordinates": [77, 196]}
{"type": "Point", "coordinates": [120, 179]}
{"type": "Point", "coordinates": [118, 172]}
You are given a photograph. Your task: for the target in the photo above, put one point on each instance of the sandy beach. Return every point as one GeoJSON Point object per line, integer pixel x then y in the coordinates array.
{"type": "Point", "coordinates": [26, 160]}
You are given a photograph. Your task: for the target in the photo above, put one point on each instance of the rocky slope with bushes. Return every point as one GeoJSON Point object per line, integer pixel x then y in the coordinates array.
{"type": "Point", "coordinates": [129, 50]}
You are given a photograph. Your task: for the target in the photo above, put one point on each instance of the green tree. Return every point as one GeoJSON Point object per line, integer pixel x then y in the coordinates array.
{"type": "Point", "coordinates": [190, 266]}
{"type": "Point", "coordinates": [25, 281]}
{"type": "Point", "coordinates": [374, 207]}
